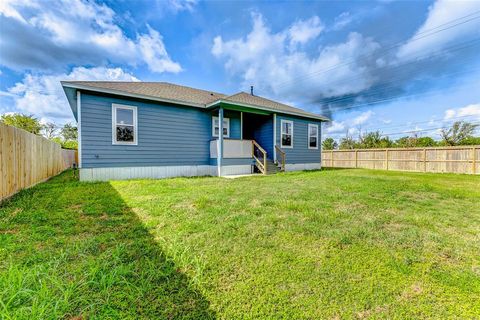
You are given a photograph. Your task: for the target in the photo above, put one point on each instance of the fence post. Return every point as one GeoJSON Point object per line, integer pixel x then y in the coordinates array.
{"type": "Point", "coordinates": [474, 155]}
{"type": "Point", "coordinates": [356, 159]}
{"type": "Point", "coordinates": [386, 157]}
{"type": "Point", "coordinates": [331, 159]}
{"type": "Point", "coordinates": [424, 160]}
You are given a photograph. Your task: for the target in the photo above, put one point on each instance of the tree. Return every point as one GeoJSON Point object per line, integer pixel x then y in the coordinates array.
{"type": "Point", "coordinates": [459, 131]}
{"type": "Point", "coordinates": [425, 142]}
{"type": "Point", "coordinates": [374, 140]}
{"type": "Point", "coordinates": [49, 130]}
{"type": "Point", "coordinates": [470, 141]}
{"type": "Point", "coordinates": [347, 143]}
{"type": "Point", "coordinates": [329, 144]}
{"type": "Point", "coordinates": [69, 132]}
{"type": "Point", "coordinates": [22, 121]}
{"type": "Point", "coordinates": [415, 142]}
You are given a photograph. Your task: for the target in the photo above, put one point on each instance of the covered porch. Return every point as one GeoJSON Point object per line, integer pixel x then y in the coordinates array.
{"type": "Point", "coordinates": [247, 144]}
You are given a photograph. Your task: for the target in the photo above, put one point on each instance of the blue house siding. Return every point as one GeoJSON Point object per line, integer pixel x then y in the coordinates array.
{"type": "Point", "coordinates": [300, 153]}
{"type": "Point", "coordinates": [264, 135]}
{"type": "Point", "coordinates": [167, 135]}
{"type": "Point", "coordinates": [235, 123]}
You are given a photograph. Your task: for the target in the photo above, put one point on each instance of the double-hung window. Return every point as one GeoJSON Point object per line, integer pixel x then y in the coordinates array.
{"type": "Point", "coordinates": [226, 127]}
{"type": "Point", "coordinates": [124, 124]}
{"type": "Point", "coordinates": [312, 136]}
{"type": "Point", "coordinates": [286, 134]}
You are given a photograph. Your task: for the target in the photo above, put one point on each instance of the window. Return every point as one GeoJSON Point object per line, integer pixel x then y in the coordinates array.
{"type": "Point", "coordinates": [287, 134]}
{"type": "Point", "coordinates": [124, 124]}
{"type": "Point", "coordinates": [312, 136]}
{"type": "Point", "coordinates": [226, 127]}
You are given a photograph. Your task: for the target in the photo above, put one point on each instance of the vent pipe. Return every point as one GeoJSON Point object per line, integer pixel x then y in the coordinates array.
{"type": "Point", "coordinates": [251, 90]}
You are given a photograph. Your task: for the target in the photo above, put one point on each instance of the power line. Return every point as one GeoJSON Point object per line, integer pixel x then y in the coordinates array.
{"type": "Point", "coordinates": [395, 98]}
{"type": "Point", "coordinates": [422, 130]}
{"type": "Point", "coordinates": [399, 75]}
{"type": "Point", "coordinates": [450, 120]}
{"type": "Point", "coordinates": [383, 89]}
{"type": "Point", "coordinates": [418, 131]}
{"type": "Point", "coordinates": [453, 119]}
{"type": "Point", "coordinates": [433, 31]}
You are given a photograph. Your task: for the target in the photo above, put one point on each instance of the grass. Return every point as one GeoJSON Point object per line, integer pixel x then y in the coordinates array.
{"type": "Point", "coordinates": [339, 244]}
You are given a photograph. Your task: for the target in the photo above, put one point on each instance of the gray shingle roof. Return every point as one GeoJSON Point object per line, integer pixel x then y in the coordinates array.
{"type": "Point", "coordinates": [252, 100]}
{"type": "Point", "coordinates": [161, 90]}
{"type": "Point", "coordinates": [185, 95]}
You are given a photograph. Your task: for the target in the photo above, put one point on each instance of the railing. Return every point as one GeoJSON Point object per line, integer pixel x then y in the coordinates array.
{"type": "Point", "coordinates": [282, 157]}
{"type": "Point", "coordinates": [232, 148]}
{"type": "Point", "coordinates": [260, 156]}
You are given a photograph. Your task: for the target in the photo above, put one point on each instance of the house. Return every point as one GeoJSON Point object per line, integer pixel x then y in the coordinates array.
{"type": "Point", "coordinates": [157, 129]}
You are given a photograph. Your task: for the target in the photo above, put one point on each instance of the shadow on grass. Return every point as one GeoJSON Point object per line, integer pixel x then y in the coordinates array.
{"type": "Point", "coordinates": [75, 250]}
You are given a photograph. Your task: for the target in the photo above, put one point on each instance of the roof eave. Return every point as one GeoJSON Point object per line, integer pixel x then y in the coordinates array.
{"type": "Point", "coordinates": [219, 102]}
{"type": "Point", "coordinates": [128, 94]}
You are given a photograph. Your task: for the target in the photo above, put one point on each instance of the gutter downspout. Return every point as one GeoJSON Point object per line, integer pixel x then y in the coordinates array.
{"type": "Point", "coordinates": [220, 141]}
{"type": "Point", "coordinates": [274, 137]}
{"type": "Point", "coordinates": [79, 129]}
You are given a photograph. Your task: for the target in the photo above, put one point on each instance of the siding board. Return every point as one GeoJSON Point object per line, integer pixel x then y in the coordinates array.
{"type": "Point", "coordinates": [300, 153]}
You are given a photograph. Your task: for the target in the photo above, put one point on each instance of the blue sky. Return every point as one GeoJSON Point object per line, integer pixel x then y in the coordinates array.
{"type": "Point", "coordinates": [397, 66]}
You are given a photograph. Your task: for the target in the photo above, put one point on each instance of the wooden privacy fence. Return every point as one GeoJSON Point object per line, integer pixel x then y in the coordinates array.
{"type": "Point", "coordinates": [462, 159]}
{"type": "Point", "coordinates": [27, 159]}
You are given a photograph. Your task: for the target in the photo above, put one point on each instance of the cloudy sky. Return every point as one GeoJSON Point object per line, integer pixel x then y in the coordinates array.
{"type": "Point", "coordinates": [398, 66]}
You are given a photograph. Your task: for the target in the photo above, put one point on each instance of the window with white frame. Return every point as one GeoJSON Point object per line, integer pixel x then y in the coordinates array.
{"type": "Point", "coordinates": [312, 136]}
{"type": "Point", "coordinates": [286, 134]}
{"type": "Point", "coordinates": [226, 127]}
{"type": "Point", "coordinates": [124, 124]}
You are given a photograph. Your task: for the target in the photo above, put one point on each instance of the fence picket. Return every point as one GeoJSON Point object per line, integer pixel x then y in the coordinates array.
{"type": "Point", "coordinates": [461, 159]}
{"type": "Point", "coordinates": [27, 159]}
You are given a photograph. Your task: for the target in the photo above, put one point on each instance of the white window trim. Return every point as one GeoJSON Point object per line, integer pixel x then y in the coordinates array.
{"type": "Point", "coordinates": [114, 124]}
{"type": "Point", "coordinates": [282, 133]}
{"type": "Point", "coordinates": [213, 127]}
{"type": "Point", "coordinates": [311, 125]}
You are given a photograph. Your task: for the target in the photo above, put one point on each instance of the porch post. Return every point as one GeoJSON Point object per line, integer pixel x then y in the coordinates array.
{"type": "Point", "coordinates": [220, 141]}
{"type": "Point", "coordinates": [274, 137]}
{"type": "Point", "coordinates": [241, 125]}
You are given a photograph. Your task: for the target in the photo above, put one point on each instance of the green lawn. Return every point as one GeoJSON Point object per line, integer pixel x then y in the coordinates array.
{"type": "Point", "coordinates": [334, 244]}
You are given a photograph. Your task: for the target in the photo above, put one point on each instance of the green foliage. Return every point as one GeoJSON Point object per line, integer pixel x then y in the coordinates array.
{"type": "Point", "coordinates": [71, 144]}
{"type": "Point", "coordinates": [415, 142]}
{"type": "Point", "coordinates": [69, 132]}
{"type": "Point", "coordinates": [49, 130]}
{"type": "Point", "coordinates": [319, 245]}
{"type": "Point", "coordinates": [460, 131]}
{"type": "Point", "coordinates": [329, 144]}
{"type": "Point", "coordinates": [470, 141]}
{"type": "Point", "coordinates": [373, 140]}
{"type": "Point", "coordinates": [22, 121]}
{"type": "Point", "coordinates": [347, 143]}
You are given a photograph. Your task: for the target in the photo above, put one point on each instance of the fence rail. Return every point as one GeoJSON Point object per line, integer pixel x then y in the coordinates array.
{"type": "Point", "coordinates": [27, 159]}
{"type": "Point", "coordinates": [462, 159]}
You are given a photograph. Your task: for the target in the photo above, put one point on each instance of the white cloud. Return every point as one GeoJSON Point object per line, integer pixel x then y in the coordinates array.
{"type": "Point", "coordinates": [62, 33]}
{"type": "Point", "coordinates": [305, 30]}
{"type": "Point", "coordinates": [43, 96]}
{"type": "Point", "coordinates": [350, 126]}
{"type": "Point", "coordinates": [361, 119]}
{"type": "Point", "coordinates": [181, 5]}
{"type": "Point", "coordinates": [268, 61]}
{"type": "Point", "coordinates": [342, 20]}
{"type": "Point", "coordinates": [472, 112]}
{"type": "Point", "coordinates": [440, 13]}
